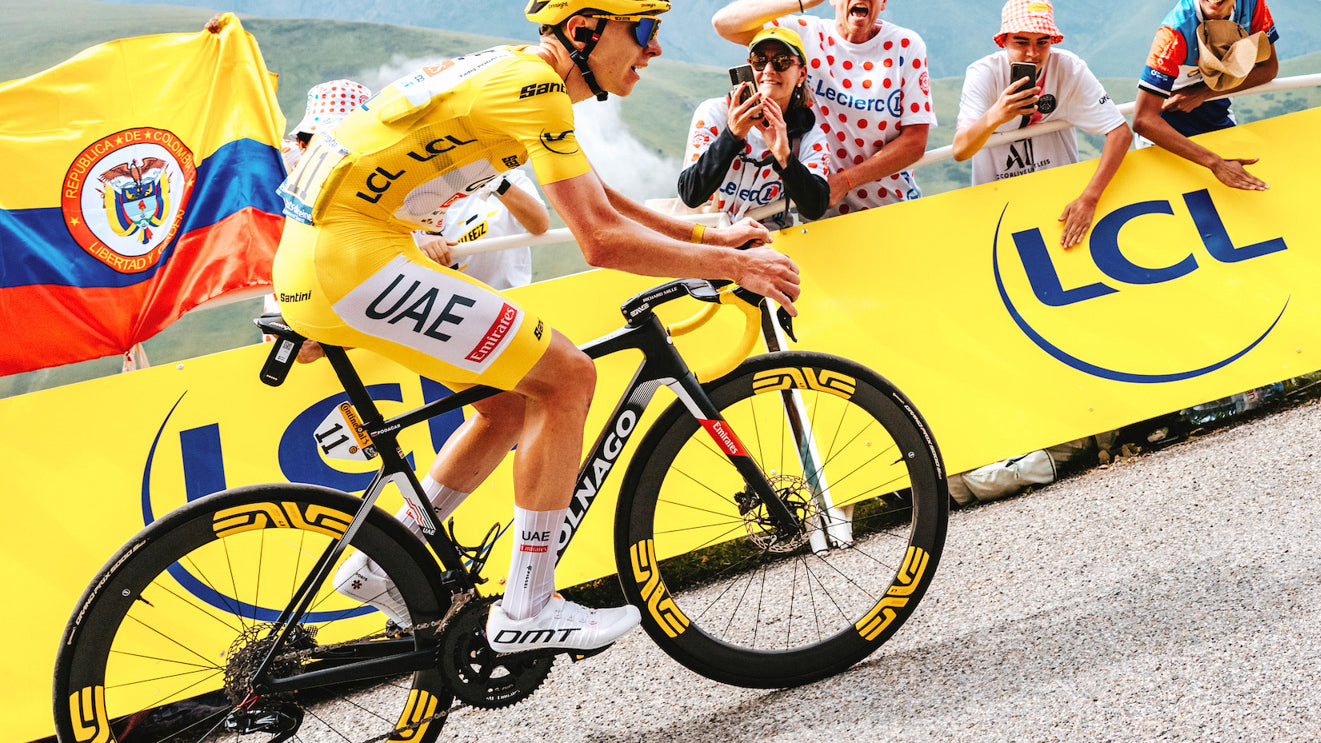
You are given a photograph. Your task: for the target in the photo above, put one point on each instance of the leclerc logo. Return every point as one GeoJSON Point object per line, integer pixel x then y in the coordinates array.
{"type": "Point", "coordinates": [1176, 241]}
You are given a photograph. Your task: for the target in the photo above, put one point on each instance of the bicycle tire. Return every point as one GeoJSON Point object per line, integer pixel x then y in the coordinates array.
{"type": "Point", "coordinates": [720, 602]}
{"type": "Point", "coordinates": [145, 652]}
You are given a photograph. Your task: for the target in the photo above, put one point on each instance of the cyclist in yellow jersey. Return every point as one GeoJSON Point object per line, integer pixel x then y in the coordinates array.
{"type": "Point", "coordinates": [349, 273]}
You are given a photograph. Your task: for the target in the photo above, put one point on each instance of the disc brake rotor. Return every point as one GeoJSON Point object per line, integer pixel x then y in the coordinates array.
{"type": "Point", "coordinates": [798, 495]}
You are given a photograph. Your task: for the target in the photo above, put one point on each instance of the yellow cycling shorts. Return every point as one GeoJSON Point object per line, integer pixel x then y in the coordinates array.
{"type": "Point", "coordinates": [355, 281]}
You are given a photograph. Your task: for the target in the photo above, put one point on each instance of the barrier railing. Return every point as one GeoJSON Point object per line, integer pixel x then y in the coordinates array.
{"type": "Point", "coordinates": [562, 234]}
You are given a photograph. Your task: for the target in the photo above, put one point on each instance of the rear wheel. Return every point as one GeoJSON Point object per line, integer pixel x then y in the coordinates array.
{"type": "Point", "coordinates": [163, 643]}
{"type": "Point", "coordinates": [720, 588]}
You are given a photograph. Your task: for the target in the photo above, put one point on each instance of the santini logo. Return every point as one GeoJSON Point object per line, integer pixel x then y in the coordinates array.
{"type": "Point", "coordinates": [1124, 274]}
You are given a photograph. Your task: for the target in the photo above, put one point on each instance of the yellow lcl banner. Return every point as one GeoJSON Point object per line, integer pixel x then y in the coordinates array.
{"type": "Point", "coordinates": [1186, 291]}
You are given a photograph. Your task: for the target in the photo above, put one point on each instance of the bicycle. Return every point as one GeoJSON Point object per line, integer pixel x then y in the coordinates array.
{"type": "Point", "coordinates": [775, 526]}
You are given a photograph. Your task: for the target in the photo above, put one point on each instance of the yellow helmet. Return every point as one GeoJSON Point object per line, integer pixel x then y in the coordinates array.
{"type": "Point", "coordinates": [553, 12]}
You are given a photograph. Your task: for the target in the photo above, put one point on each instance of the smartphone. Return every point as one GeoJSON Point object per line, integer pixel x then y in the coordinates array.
{"type": "Point", "coordinates": [743, 74]}
{"type": "Point", "coordinates": [1020, 70]}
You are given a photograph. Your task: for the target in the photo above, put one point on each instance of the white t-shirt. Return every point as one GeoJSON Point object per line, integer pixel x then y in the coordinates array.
{"type": "Point", "coordinates": [864, 95]}
{"type": "Point", "coordinates": [1069, 91]}
{"type": "Point", "coordinates": [483, 215]}
{"type": "Point", "coordinates": [747, 186]}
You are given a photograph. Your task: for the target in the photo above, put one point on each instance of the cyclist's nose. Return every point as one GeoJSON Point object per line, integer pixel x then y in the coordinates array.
{"type": "Point", "coordinates": [653, 48]}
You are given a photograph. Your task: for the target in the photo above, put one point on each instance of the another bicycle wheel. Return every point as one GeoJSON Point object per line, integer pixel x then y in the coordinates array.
{"type": "Point", "coordinates": [164, 640]}
{"type": "Point", "coordinates": [721, 589]}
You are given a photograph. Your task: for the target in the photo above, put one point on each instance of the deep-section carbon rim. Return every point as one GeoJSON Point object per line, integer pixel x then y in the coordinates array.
{"type": "Point", "coordinates": [732, 602]}
{"type": "Point", "coordinates": [145, 655]}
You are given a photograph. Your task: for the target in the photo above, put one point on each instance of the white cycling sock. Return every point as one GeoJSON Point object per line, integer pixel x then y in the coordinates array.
{"type": "Point", "coordinates": [444, 502]}
{"type": "Point", "coordinates": [363, 580]}
{"type": "Point", "coordinates": [532, 566]}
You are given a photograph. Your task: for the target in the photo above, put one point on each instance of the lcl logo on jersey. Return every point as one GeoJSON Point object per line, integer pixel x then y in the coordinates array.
{"type": "Point", "coordinates": [1202, 244]}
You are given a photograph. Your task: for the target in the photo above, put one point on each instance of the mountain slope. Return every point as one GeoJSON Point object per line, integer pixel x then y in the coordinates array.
{"type": "Point", "coordinates": [1113, 36]}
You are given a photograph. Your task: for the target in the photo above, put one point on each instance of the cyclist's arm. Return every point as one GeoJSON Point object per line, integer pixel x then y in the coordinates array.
{"type": "Point", "coordinates": [736, 235]}
{"type": "Point", "coordinates": [739, 21]}
{"type": "Point", "coordinates": [615, 232]}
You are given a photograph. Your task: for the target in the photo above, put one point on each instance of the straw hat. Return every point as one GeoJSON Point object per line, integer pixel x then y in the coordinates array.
{"type": "Point", "coordinates": [1226, 53]}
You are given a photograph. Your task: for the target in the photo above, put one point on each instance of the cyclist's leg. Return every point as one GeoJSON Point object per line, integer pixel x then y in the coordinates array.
{"type": "Point", "coordinates": [370, 287]}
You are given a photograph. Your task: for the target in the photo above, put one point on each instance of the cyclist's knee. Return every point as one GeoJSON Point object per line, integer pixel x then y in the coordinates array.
{"type": "Point", "coordinates": [563, 376]}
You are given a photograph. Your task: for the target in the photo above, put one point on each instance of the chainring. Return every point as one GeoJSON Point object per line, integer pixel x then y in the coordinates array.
{"type": "Point", "coordinates": [478, 675]}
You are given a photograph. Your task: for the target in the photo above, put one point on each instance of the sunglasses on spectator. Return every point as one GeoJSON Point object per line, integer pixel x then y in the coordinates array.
{"type": "Point", "coordinates": [779, 62]}
{"type": "Point", "coordinates": [644, 29]}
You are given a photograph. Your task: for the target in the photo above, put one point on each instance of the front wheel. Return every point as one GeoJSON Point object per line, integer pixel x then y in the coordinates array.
{"type": "Point", "coordinates": [163, 643]}
{"type": "Point", "coordinates": [723, 587]}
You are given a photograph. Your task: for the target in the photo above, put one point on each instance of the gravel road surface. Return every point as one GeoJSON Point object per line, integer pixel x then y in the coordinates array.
{"type": "Point", "coordinates": [1170, 596]}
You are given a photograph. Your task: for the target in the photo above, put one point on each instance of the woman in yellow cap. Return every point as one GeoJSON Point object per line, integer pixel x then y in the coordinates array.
{"type": "Point", "coordinates": [742, 156]}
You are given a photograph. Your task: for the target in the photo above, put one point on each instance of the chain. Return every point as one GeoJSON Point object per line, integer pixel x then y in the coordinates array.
{"type": "Point", "coordinates": [456, 603]}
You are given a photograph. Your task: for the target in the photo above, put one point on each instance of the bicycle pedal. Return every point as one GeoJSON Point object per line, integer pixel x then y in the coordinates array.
{"type": "Point", "coordinates": [584, 655]}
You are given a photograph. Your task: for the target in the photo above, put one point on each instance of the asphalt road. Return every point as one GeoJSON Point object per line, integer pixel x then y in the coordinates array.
{"type": "Point", "coordinates": [1170, 596]}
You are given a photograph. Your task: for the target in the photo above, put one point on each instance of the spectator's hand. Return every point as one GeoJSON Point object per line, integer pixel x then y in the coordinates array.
{"type": "Point", "coordinates": [772, 275]}
{"type": "Point", "coordinates": [742, 232]}
{"type": "Point", "coordinates": [1013, 103]}
{"type": "Point", "coordinates": [1077, 219]}
{"type": "Point", "coordinates": [775, 131]}
{"type": "Point", "coordinates": [1232, 173]}
{"type": "Point", "coordinates": [1186, 99]}
{"type": "Point", "coordinates": [213, 25]}
{"type": "Point", "coordinates": [437, 249]}
{"type": "Point", "coordinates": [740, 119]}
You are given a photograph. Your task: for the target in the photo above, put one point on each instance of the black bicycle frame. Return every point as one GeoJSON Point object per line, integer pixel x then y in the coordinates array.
{"type": "Point", "coordinates": [662, 366]}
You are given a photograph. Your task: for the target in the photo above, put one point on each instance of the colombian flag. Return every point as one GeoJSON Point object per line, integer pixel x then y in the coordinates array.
{"type": "Point", "coordinates": [139, 182]}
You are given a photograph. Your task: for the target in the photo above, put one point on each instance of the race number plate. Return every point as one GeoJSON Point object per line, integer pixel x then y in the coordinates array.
{"type": "Point", "coordinates": [301, 189]}
{"type": "Point", "coordinates": [340, 436]}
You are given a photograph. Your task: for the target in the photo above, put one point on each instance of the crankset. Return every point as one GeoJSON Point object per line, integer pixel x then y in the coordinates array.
{"type": "Point", "coordinates": [478, 675]}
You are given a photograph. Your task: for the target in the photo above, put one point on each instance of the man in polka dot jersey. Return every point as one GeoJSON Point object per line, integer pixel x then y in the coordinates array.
{"type": "Point", "coordinates": [871, 89]}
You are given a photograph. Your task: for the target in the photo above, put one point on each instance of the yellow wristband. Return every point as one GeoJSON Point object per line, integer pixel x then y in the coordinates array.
{"type": "Point", "coordinates": [699, 229]}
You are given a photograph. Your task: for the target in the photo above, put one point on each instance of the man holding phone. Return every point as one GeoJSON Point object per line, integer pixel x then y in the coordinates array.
{"type": "Point", "coordinates": [1030, 82]}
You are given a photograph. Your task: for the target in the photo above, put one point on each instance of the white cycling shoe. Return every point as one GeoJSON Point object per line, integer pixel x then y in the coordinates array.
{"type": "Point", "coordinates": [560, 625]}
{"type": "Point", "coordinates": [363, 581]}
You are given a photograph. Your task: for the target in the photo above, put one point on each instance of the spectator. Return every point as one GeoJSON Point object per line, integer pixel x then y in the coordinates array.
{"type": "Point", "coordinates": [870, 85]}
{"type": "Point", "coordinates": [327, 104]}
{"type": "Point", "coordinates": [507, 206]}
{"type": "Point", "coordinates": [749, 155]}
{"type": "Point", "coordinates": [1203, 50]}
{"type": "Point", "coordinates": [1065, 90]}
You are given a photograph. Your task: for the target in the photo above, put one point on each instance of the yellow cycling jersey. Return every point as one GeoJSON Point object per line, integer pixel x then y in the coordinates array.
{"type": "Point", "coordinates": [434, 137]}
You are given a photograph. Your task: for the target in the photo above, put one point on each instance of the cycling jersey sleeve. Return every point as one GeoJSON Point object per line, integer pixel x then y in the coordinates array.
{"type": "Point", "coordinates": [526, 101]}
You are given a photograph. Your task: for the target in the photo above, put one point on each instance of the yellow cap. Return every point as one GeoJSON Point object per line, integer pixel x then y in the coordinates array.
{"type": "Point", "coordinates": [782, 35]}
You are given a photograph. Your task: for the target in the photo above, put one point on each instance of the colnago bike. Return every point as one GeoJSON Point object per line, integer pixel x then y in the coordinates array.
{"type": "Point", "coordinates": [774, 526]}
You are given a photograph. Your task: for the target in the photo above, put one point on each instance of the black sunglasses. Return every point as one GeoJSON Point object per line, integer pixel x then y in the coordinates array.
{"type": "Point", "coordinates": [779, 62]}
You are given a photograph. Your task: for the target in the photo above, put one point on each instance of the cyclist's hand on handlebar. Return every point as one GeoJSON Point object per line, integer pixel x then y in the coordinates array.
{"type": "Point", "coordinates": [742, 232]}
{"type": "Point", "coordinates": [771, 274]}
